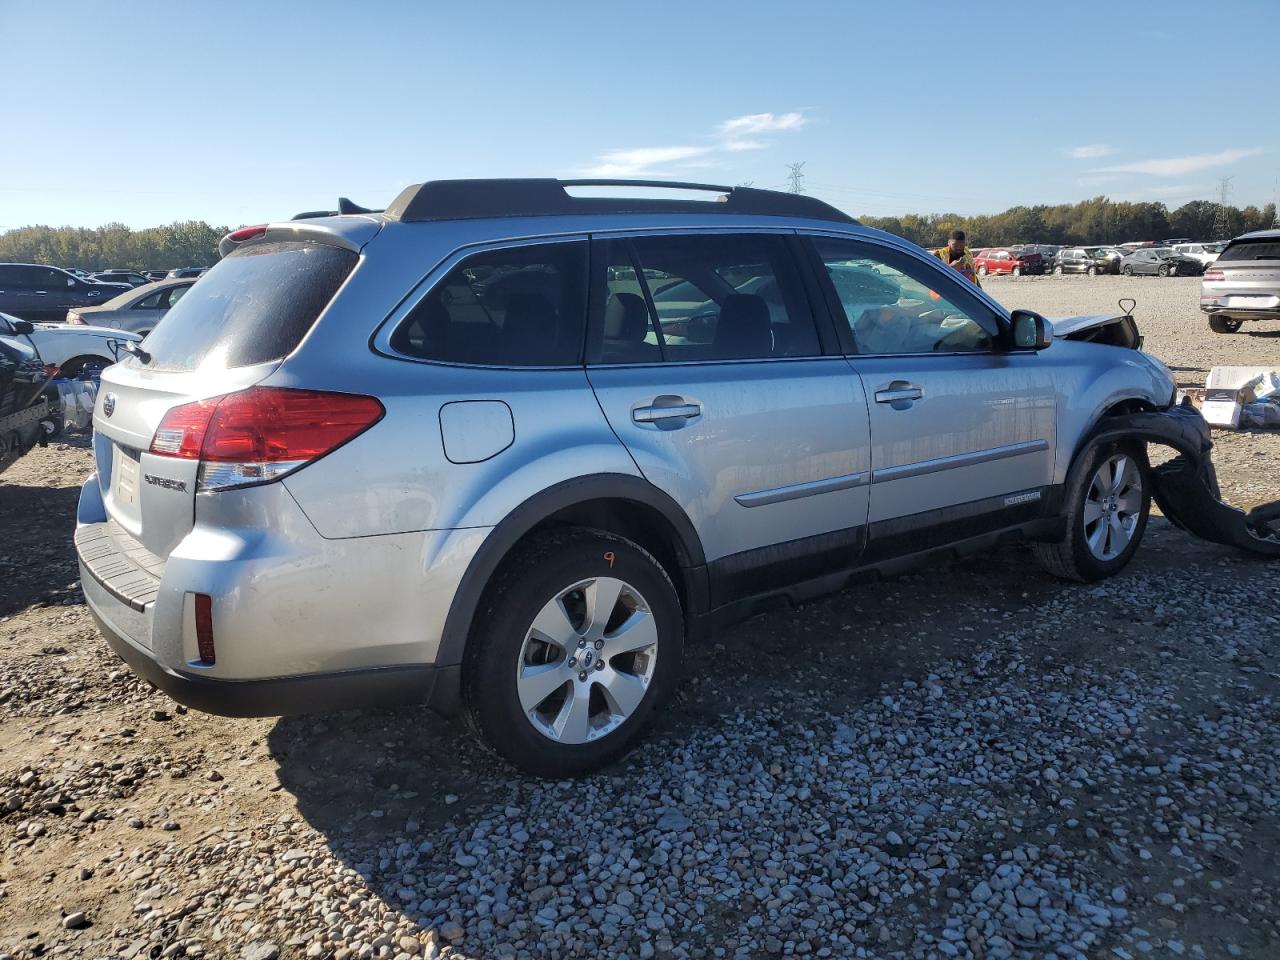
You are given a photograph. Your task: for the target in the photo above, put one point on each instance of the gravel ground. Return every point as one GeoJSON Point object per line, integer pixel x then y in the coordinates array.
{"type": "Point", "coordinates": [974, 760]}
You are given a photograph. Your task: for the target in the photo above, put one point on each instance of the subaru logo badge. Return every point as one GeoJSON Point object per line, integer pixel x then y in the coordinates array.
{"type": "Point", "coordinates": [108, 404]}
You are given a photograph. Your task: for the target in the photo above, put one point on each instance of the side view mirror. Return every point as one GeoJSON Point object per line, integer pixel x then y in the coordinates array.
{"type": "Point", "coordinates": [1029, 330]}
{"type": "Point", "coordinates": [22, 326]}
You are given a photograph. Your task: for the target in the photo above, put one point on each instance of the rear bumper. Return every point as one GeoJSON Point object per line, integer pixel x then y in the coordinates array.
{"type": "Point", "coordinates": [282, 696]}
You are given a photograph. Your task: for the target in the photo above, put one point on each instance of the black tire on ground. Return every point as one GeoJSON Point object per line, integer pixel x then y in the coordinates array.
{"type": "Point", "coordinates": [1016, 271]}
{"type": "Point", "coordinates": [1220, 324]}
{"type": "Point", "coordinates": [1070, 557]}
{"type": "Point", "coordinates": [1090, 270]}
{"type": "Point", "coordinates": [1162, 270]}
{"type": "Point", "coordinates": [533, 575]}
{"type": "Point", "coordinates": [1058, 270]}
{"type": "Point", "coordinates": [982, 269]}
{"type": "Point", "coordinates": [1127, 270]}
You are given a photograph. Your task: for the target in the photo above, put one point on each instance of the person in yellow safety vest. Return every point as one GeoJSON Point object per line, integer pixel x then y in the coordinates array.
{"type": "Point", "coordinates": [957, 255]}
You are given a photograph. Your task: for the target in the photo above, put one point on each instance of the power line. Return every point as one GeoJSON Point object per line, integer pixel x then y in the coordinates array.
{"type": "Point", "coordinates": [796, 176]}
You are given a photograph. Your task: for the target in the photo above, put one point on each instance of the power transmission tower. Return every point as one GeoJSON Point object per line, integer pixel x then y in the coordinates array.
{"type": "Point", "coordinates": [796, 176]}
{"type": "Point", "coordinates": [1221, 220]}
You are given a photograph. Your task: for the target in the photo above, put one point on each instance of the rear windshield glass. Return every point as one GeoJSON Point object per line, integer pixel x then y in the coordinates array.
{"type": "Point", "coordinates": [1251, 250]}
{"type": "Point", "coordinates": [254, 306]}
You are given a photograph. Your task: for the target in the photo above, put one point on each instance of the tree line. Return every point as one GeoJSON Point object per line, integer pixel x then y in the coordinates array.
{"type": "Point", "coordinates": [187, 243]}
{"type": "Point", "coordinates": [1095, 221]}
{"type": "Point", "coordinates": [194, 243]}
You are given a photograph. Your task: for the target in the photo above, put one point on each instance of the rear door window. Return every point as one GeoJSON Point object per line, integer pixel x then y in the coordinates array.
{"type": "Point", "coordinates": [701, 298]}
{"type": "Point", "coordinates": [512, 307]}
{"type": "Point", "coordinates": [253, 307]}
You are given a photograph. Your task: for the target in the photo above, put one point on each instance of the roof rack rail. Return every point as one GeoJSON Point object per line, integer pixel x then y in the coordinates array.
{"type": "Point", "coordinates": [476, 199]}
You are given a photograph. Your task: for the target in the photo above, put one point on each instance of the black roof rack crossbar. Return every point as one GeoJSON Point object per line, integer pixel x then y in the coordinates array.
{"type": "Point", "coordinates": [476, 199]}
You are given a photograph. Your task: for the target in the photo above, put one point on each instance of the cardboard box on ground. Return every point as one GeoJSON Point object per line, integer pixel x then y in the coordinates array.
{"type": "Point", "coordinates": [1236, 397]}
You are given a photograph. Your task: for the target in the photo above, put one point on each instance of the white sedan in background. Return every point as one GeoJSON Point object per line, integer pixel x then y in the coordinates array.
{"type": "Point", "coordinates": [1206, 253]}
{"type": "Point", "coordinates": [76, 350]}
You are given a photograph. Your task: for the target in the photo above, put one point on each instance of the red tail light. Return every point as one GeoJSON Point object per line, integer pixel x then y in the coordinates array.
{"type": "Point", "coordinates": [260, 434]}
{"type": "Point", "coordinates": [1211, 275]}
{"type": "Point", "coordinates": [246, 233]}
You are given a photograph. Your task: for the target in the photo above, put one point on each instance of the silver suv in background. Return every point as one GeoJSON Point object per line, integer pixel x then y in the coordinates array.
{"type": "Point", "coordinates": [1244, 282]}
{"type": "Point", "coordinates": [504, 449]}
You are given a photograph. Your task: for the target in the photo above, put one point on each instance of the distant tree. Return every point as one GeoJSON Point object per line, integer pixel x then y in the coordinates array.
{"type": "Point", "coordinates": [1097, 220]}
{"type": "Point", "coordinates": [182, 244]}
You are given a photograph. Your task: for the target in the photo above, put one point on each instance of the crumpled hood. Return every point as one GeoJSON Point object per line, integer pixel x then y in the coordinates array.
{"type": "Point", "coordinates": [1066, 325]}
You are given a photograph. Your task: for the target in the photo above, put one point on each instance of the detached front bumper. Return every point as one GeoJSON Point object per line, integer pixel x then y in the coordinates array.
{"type": "Point", "coordinates": [1186, 487]}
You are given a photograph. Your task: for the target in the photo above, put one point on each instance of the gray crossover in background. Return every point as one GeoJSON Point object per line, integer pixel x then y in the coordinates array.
{"type": "Point", "coordinates": [137, 311]}
{"type": "Point", "coordinates": [504, 449]}
{"type": "Point", "coordinates": [1243, 283]}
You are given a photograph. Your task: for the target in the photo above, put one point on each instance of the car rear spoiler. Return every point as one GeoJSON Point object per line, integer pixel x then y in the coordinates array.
{"type": "Point", "coordinates": [345, 206]}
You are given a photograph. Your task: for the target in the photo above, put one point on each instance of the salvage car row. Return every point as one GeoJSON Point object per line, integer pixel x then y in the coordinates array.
{"type": "Point", "coordinates": [1178, 260]}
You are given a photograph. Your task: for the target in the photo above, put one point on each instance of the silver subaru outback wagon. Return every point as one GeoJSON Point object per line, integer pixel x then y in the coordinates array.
{"type": "Point", "coordinates": [503, 449]}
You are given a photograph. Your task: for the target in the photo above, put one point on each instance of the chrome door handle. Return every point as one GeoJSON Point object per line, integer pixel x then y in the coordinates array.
{"type": "Point", "coordinates": [899, 390]}
{"type": "Point", "coordinates": [42, 293]}
{"type": "Point", "coordinates": [656, 413]}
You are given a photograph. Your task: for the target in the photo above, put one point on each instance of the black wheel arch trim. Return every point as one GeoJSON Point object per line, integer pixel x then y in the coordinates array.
{"type": "Point", "coordinates": [545, 504]}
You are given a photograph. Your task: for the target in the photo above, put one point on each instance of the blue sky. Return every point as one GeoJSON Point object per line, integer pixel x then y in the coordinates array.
{"type": "Point", "coordinates": [238, 112]}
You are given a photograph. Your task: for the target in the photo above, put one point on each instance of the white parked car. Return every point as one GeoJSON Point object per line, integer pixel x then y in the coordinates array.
{"type": "Point", "coordinates": [1206, 253]}
{"type": "Point", "coordinates": [76, 350]}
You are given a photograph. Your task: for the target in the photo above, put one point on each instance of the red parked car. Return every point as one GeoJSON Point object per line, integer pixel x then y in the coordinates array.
{"type": "Point", "coordinates": [1001, 260]}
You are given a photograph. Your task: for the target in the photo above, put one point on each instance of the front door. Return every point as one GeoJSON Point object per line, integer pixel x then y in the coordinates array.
{"type": "Point", "coordinates": [962, 431]}
{"type": "Point", "coordinates": [707, 361]}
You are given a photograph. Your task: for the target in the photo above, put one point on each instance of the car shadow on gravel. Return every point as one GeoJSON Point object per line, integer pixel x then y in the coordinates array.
{"type": "Point", "coordinates": [36, 525]}
{"type": "Point", "coordinates": [366, 780]}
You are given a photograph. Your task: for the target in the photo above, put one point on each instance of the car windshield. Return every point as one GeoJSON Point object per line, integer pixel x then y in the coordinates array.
{"type": "Point", "coordinates": [1263, 248]}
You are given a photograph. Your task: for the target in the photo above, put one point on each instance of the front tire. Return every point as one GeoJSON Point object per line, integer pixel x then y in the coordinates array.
{"type": "Point", "coordinates": [1107, 505]}
{"type": "Point", "coordinates": [583, 639]}
{"type": "Point", "coordinates": [1127, 270]}
{"type": "Point", "coordinates": [1163, 270]}
{"type": "Point", "coordinates": [1016, 271]}
{"type": "Point", "coordinates": [1219, 324]}
{"type": "Point", "coordinates": [982, 269]}
{"type": "Point", "coordinates": [1058, 270]}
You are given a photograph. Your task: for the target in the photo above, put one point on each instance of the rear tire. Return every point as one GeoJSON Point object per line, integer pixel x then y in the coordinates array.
{"type": "Point", "coordinates": [982, 270]}
{"type": "Point", "coordinates": [77, 367]}
{"type": "Point", "coordinates": [1090, 270]}
{"type": "Point", "coordinates": [1106, 514]}
{"type": "Point", "coordinates": [1220, 324]}
{"type": "Point", "coordinates": [1163, 270]}
{"type": "Point", "coordinates": [1016, 271]}
{"type": "Point", "coordinates": [533, 687]}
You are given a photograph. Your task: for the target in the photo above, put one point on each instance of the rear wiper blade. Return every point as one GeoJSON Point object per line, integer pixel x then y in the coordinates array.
{"type": "Point", "coordinates": [137, 351]}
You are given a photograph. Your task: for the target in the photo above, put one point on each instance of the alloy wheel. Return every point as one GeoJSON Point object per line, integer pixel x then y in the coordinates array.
{"type": "Point", "coordinates": [587, 660]}
{"type": "Point", "coordinates": [1113, 506]}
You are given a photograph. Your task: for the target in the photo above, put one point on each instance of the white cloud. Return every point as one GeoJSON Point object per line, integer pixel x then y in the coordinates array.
{"type": "Point", "coordinates": [1177, 166]}
{"type": "Point", "coordinates": [1091, 151]}
{"type": "Point", "coordinates": [755, 123]}
{"type": "Point", "coordinates": [631, 163]}
{"type": "Point", "coordinates": [732, 136]}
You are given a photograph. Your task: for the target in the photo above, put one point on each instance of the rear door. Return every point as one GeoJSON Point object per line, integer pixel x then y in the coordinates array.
{"type": "Point", "coordinates": [705, 356]}
{"type": "Point", "coordinates": [962, 434]}
{"type": "Point", "coordinates": [253, 309]}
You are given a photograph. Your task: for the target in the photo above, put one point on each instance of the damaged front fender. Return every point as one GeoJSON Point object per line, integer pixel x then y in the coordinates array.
{"type": "Point", "coordinates": [1186, 487]}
